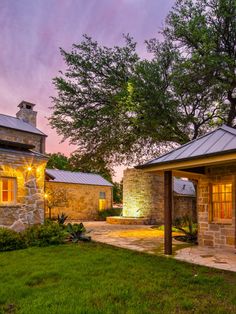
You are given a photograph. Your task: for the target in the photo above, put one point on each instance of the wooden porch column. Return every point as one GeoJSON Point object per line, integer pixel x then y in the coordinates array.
{"type": "Point", "coordinates": [168, 211]}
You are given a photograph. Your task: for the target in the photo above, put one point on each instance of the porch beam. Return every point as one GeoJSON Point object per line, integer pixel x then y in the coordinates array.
{"type": "Point", "coordinates": [168, 212]}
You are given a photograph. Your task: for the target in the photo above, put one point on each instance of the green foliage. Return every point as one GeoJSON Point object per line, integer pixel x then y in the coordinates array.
{"type": "Point", "coordinates": [117, 192]}
{"type": "Point", "coordinates": [11, 240]}
{"type": "Point", "coordinates": [90, 163]}
{"type": "Point", "coordinates": [58, 161]}
{"type": "Point", "coordinates": [42, 235]}
{"type": "Point", "coordinates": [113, 105]}
{"type": "Point", "coordinates": [109, 212]}
{"type": "Point", "coordinates": [185, 224]}
{"type": "Point", "coordinates": [77, 232]}
{"type": "Point", "coordinates": [61, 219]}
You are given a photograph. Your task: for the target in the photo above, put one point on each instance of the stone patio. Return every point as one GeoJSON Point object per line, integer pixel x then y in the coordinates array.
{"type": "Point", "coordinates": [147, 239]}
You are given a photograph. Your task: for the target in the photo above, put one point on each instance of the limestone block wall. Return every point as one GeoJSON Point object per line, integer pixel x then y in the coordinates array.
{"type": "Point", "coordinates": [23, 137]}
{"type": "Point", "coordinates": [143, 195]}
{"type": "Point", "coordinates": [185, 205]}
{"type": "Point", "coordinates": [80, 201]}
{"type": "Point", "coordinates": [212, 233]}
{"type": "Point", "coordinates": [28, 208]}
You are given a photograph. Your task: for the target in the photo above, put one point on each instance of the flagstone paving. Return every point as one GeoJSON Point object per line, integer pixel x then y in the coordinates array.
{"type": "Point", "coordinates": [147, 239]}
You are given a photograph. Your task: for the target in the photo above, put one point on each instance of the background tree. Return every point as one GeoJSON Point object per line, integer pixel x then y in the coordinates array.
{"type": "Point", "coordinates": [123, 109]}
{"type": "Point", "coordinates": [58, 161]}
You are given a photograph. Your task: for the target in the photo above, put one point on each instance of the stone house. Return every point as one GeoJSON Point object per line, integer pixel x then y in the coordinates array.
{"type": "Point", "coordinates": [22, 166]}
{"type": "Point", "coordinates": [79, 195]}
{"type": "Point", "coordinates": [143, 196]}
{"type": "Point", "coordinates": [22, 176]}
{"type": "Point", "coordinates": [211, 161]}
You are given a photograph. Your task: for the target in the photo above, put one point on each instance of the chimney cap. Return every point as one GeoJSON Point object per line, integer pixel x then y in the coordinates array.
{"type": "Point", "coordinates": [26, 105]}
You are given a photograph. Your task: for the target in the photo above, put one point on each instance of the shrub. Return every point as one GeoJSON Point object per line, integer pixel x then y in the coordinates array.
{"type": "Point", "coordinates": [42, 235]}
{"type": "Point", "coordinates": [11, 240]}
{"type": "Point", "coordinates": [109, 212]}
{"type": "Point", "coordinates": [77, 232]}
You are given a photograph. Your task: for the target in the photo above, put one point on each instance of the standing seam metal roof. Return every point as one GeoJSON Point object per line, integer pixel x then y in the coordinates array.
{"type": "Point", "coordinates": [18, 124]}
{"type": "Point", "coordinates": [183, 187]}
{"type": "Point", "coordinates": [220, 140]}
{"type": "Point", "coordinates": [77, 177]}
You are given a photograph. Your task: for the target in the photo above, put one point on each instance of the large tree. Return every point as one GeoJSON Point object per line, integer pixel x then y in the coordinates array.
{"type": "Point", "coordinates": [120, 108]}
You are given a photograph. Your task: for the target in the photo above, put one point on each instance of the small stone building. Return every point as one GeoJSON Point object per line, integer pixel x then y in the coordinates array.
{"type": "Point", "coordinates": [143, 196]}
{"type": "Point", "coordinates": [79, 195]}
{"type": "Point", "coordinates": [22, 167]}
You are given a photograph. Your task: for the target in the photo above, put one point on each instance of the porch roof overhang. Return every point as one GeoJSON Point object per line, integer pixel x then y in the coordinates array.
{"type": "Point", "coordinates": [214, 148]}
{"type": "Point", "coordinates": [192, 165]}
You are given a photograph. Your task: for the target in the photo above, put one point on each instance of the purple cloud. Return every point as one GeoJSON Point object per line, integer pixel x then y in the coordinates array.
{"type": "Point", "coordinates": [33, 31]}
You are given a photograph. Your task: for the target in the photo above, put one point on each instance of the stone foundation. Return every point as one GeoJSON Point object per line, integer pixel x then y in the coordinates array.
{"type": "Point", "coordinates": [119, 220]}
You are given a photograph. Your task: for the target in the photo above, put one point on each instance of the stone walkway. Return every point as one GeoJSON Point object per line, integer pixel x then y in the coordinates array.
{"type": "Point", "coordinates": [150, 240]}
{"type": "Point", "coordinates": [207, 256]}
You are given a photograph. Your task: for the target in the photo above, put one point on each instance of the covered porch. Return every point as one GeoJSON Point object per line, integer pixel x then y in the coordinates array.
{"type": "Point", "coordinates": [211, 161]}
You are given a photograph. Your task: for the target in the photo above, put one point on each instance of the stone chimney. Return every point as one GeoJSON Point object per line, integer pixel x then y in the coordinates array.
{"type": "Point", "coordinates": [26, 113]}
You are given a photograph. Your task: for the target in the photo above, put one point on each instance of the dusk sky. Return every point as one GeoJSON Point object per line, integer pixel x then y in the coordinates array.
{"type": "Point", "coordinates": [33, 30]}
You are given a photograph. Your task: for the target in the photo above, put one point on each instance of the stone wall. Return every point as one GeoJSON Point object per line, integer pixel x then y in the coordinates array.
{"type": "Point", "coordinates": [29, 206]}
{"type": "Point", "coordinates": [23, 137]}
{"type": "Point", "coordinates": [143, 196]}
{"type": "Point", "coordinates": [212, 233]}
{"type": "Point", "coordinates": [78, 201]}
{"type": "Point", "coordinates": [185, 205]}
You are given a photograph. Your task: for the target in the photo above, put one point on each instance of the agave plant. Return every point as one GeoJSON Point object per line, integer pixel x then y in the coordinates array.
{"type": "Point", "coordinates": [185, 224]}
{"type": "Point", "coordinates": [77, 232]}
{"type": "Point", "coordinates": [61, 218]}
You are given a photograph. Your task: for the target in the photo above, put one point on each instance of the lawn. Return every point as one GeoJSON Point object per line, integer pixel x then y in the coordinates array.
{"type": "Point", "coordinates": [95, 278]}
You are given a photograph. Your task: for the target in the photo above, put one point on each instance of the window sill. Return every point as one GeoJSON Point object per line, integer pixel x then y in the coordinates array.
{"type": "Point", "coordinates": [221, 222]}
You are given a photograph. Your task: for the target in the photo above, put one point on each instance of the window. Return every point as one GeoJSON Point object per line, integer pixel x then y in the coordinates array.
{"type": "Point", "coordinates": [7, 190]}
{"type": "Point", "coordinates": [102, 200]}
{"type": "Point", "coordinates": [102, 195]}
{"type": "Point", "coordinates": [222, 202]}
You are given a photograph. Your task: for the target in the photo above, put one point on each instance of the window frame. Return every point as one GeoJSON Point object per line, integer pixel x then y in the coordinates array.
{"type": "Point", "coordinates": [211, 216]}
{"type": "Point", "coordinates": [13, 202]}
{"type": "Point", "coordinates": [104, 194]}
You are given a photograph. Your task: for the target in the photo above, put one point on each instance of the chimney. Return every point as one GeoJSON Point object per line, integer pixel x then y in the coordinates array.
{"type": "Point", "coordinates": [26, 113]}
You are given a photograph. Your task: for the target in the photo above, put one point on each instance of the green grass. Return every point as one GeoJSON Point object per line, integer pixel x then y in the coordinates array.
{"type": "Point", "coordinates": [95, 278]}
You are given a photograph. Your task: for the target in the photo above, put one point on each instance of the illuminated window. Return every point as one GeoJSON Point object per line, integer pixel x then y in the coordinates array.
{"type": "Point", "coordinates": [222, 203]}
{"type": "Point", "coordinates": [102, 200]}
{"type": "Point", "coordinates": [7, 190]}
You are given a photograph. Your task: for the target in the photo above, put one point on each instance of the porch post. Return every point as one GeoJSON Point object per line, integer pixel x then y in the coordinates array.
{"type": "Point", "coordinates": [168, 211]}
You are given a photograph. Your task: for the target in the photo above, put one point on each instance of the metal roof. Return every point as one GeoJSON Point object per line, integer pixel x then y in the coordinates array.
{"type": "Point", "coordinates": [22, 152]}
{"type": "Point", "coordinates": [216, 142]}
{"type": "Point", "coordinates": [184, 187]}
{"type": "Point", "coordinates": [77, 177]}
{"type": "Point", "coordinates": [18, 124]}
